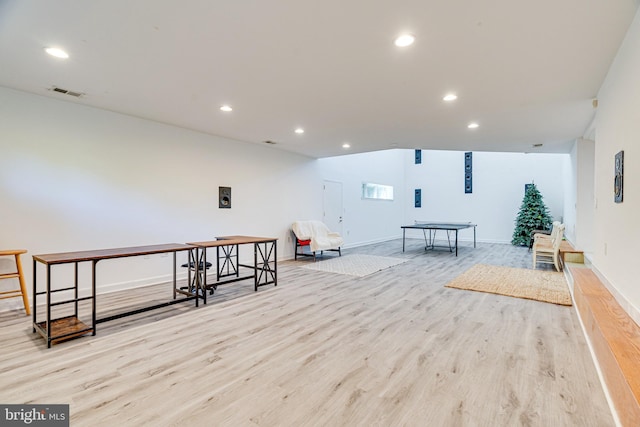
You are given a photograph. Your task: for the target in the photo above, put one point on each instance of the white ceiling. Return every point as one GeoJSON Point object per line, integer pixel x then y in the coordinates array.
{"type": "Point", "coordinates": [526, 71]}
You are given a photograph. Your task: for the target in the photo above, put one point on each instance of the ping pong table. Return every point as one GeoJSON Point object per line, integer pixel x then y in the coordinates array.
{"type": "Point", "coordinates": [432, 227]}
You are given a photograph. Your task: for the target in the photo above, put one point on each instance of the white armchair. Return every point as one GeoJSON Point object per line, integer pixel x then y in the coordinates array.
{"type": "Point", "coordinates": [317, 236]}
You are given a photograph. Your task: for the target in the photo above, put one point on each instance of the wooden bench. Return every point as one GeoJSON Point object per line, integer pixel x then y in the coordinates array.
{"type": "Point", "coordinates": [570, 254]}
{"type": "Point", "coordinates": [615, 339]}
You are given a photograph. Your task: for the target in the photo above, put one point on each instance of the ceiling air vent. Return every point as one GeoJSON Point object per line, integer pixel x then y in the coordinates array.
{"type": "Point", "coordinates": [66, 92]}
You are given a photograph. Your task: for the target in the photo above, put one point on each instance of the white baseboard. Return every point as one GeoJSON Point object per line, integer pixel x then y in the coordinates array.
{"type": "Point", "coordinates": [11, 304]}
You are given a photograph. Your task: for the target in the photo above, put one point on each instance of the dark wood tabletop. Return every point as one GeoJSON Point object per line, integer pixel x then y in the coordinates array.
{"type": "Point", "coordinates": [100, 254]}
{"type": "Point", "coordinates": [232, 240]}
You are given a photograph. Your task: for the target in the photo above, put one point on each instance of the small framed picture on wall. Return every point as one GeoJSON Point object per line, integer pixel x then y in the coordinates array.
{"type": "Point", "coordinates": [618, 177]}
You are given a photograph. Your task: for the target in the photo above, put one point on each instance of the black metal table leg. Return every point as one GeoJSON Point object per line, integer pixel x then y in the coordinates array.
{"type": "Point", "coordinates": [94, 263]}
{"type": "Point", "coordinates": [403, 236]}
{"type": "Point", "coordinates": [456, 242]}
{"type": "Point", "coordinates": [33, 299]}
{"type": "Point", "coordinates": [48, 306]}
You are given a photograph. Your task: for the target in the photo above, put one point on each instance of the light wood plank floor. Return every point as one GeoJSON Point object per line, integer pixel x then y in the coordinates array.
{"type": "Point", "coordinates": [395, 348]}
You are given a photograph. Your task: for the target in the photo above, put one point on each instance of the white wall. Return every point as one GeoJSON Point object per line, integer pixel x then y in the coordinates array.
{"type": "Point", "coordinates": [498, 189]}
{"type": "Point", "coordinates": [616, 231]}
{"type": "Point", "coordinates": [78, 178]}
{"type": "Point", "coordinates": [369, 221]}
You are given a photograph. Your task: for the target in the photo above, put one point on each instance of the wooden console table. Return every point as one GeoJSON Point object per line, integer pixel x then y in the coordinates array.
{"type": "Point", "coordinates": [67, 327]}
{"type": "Point", "coordinates": [228, 262]}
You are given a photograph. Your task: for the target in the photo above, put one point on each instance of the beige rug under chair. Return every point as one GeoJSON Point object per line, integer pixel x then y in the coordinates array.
{"type": "Point", "coordinates": [355, 264]}
{"type": "Point", "coordinates": [539, 285]}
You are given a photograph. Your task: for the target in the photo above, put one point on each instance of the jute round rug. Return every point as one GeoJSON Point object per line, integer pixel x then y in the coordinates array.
{"type": "Point", "coordinates": [546, 286]}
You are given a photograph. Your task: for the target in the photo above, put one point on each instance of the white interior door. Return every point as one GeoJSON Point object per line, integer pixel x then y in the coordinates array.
{"type": "Point", "coordinates": [332, 205]}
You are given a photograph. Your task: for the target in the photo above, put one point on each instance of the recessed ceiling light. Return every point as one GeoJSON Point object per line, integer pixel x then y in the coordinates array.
{"type": "Point", "coordinates": [299, 131]}
{"type": "Point", "coordinates": [450, 97]}
{"type": "Point", "coordinates": [405, 40]}
{"type": "Point", "coordinates": [346, 145]}
{"type": "Point", "coordinates": [226, 108]}
{"type": "Point", "coordinates": [58, 53]}
{"type": "Point", "coordinates": [473, 125]}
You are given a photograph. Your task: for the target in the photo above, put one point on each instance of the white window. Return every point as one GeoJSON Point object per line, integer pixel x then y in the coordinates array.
{"type": "Point", "coordinates": [377, 191]}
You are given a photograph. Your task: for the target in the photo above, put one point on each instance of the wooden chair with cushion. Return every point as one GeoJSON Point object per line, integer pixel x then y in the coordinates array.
{"type": "Point", "coordinates": [547, 250]}
{"type": "Point", "coordinates": [22, 292]}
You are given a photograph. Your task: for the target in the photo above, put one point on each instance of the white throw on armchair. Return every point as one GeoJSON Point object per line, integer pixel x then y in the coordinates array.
{"type": "Point", "coordinates": [317, 236]}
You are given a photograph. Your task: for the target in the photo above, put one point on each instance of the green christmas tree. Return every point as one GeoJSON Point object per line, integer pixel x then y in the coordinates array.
{"type": "Point", "coordinates": [533, 215]}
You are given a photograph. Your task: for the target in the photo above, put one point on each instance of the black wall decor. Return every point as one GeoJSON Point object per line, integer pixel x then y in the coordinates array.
{"type": "Point", "coordinates": [618, 177]}
{"type": "Point", "coordinates": [468, 172]}
{"type": "Point", "coordinates": [224, 197]}
{"type": "Point", "coordinates": [418, 198]}
{"type": "Point", "coordinates": [418, 157]}
{"type": "Point", "coordinates": [526, 188]}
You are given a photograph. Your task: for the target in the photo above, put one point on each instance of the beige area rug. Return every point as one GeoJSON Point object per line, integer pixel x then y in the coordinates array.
{"type": "Point", "coordinates": [546, 286]}
{"type": "Point", "coordinates": [355, 264]}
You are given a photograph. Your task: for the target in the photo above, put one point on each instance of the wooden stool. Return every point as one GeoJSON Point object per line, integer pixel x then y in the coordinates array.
{"type": "Point", "coordinates": [22, 292]}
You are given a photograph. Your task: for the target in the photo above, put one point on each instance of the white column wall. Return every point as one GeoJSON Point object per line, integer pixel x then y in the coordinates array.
{"type": "Point", "coordinates": [585, 197]}
{"type": "Point", "coordinates": [570, 181]}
